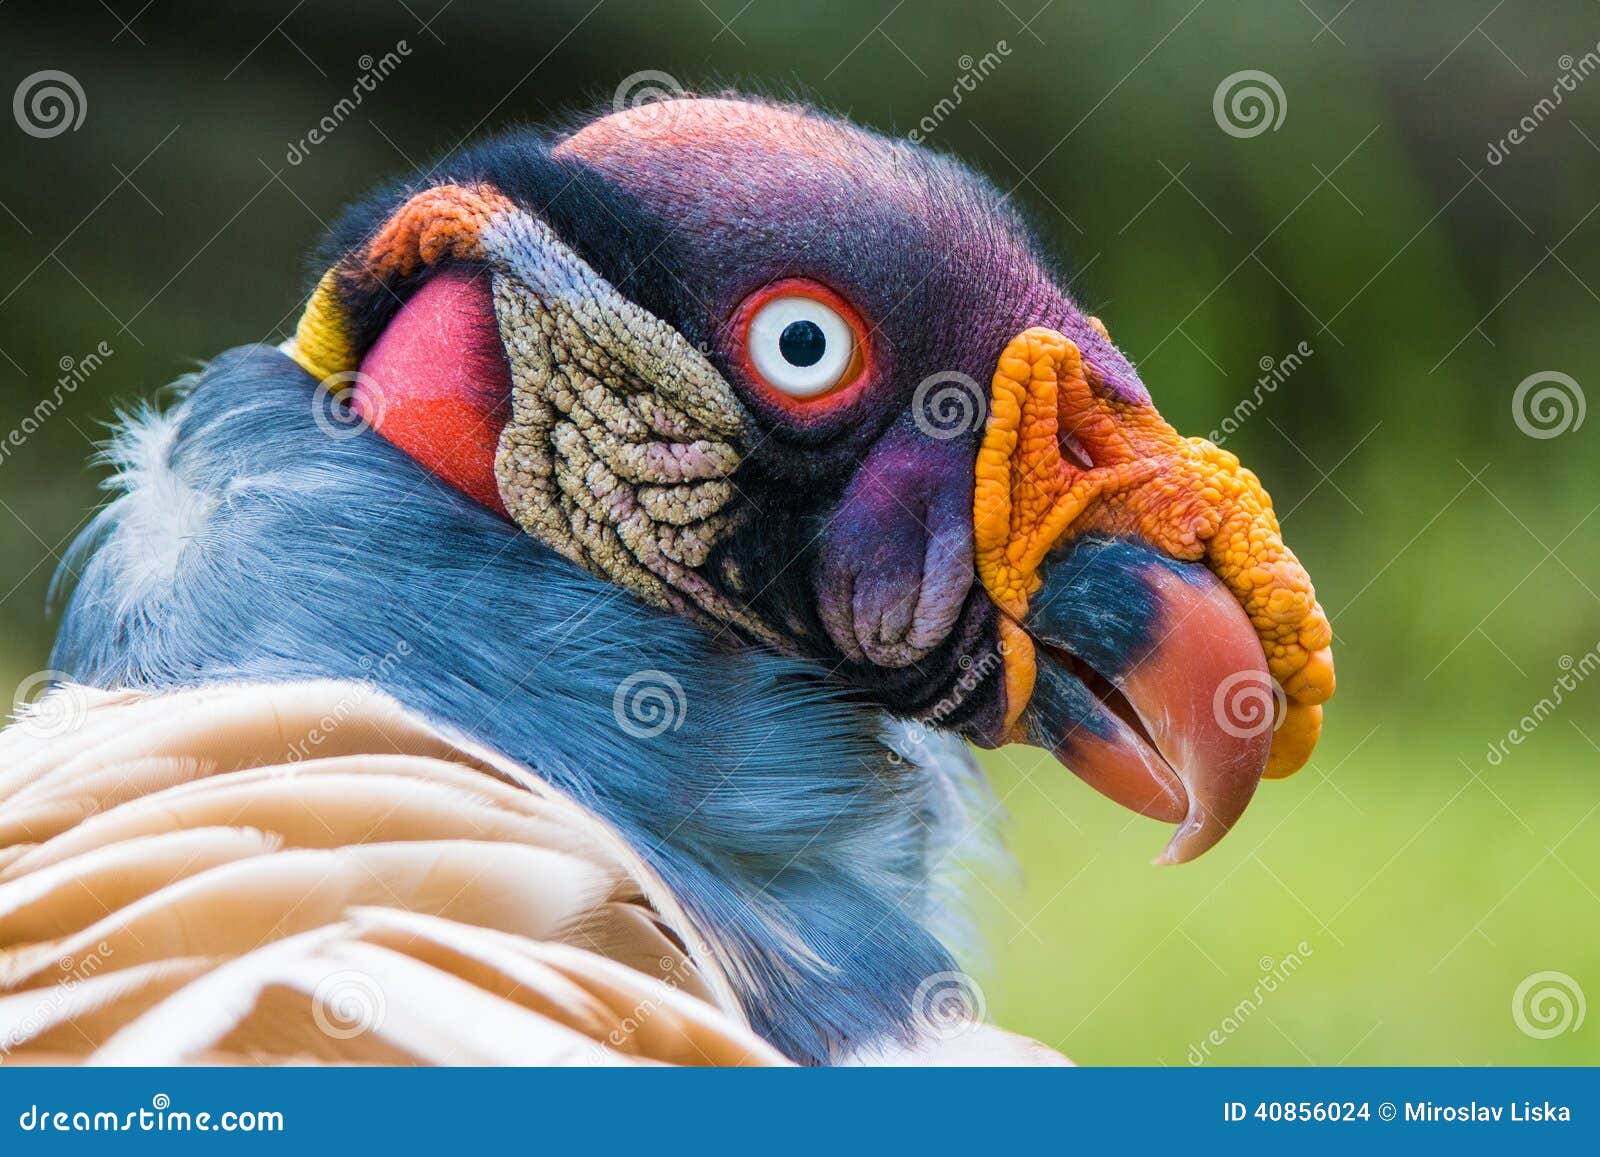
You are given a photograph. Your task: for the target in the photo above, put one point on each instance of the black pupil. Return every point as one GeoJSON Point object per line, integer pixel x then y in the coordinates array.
{"type": "Point", "coordinates": [801, 343]}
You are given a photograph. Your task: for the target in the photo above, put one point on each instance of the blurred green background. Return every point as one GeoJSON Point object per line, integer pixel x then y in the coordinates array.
{"type": "Point", "coordinates": [1417, 881]}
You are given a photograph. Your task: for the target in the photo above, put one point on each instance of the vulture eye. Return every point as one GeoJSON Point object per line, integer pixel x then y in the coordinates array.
{"type": "Point", "coordinates": [801, 340]}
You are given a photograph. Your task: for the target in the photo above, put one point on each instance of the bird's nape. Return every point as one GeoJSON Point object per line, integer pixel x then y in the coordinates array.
{"type": "Point", "coordinates": [314, 551]}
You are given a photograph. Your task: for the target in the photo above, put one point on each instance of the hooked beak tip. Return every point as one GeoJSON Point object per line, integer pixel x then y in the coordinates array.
{"type": "Point", "coordinates": [1175, 718]}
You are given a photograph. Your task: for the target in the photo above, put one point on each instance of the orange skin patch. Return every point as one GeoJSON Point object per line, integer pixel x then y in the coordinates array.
{"type": "Point", "coordinates": [1184, 496]}
{"type": "Point", "coordinates": [436, 223]}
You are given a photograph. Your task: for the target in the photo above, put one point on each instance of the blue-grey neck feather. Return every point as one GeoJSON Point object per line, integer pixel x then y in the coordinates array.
{"type": "Point", "coordinates": [250, 544]}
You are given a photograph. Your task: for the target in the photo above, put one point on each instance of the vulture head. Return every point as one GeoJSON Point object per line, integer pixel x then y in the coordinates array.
{"type": "Point", "coordinates": [680, 455]}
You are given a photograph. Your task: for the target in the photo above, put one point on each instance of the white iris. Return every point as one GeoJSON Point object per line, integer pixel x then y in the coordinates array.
{"type": "Point", "coordinates": [794, 365]}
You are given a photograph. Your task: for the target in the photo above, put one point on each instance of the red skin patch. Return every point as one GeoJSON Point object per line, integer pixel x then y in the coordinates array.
{"type": "Point", "coordinates": [436, 383]}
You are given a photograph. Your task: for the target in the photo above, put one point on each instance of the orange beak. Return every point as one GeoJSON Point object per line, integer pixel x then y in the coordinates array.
{"type": "Point", "coordinates": [1207, 676]}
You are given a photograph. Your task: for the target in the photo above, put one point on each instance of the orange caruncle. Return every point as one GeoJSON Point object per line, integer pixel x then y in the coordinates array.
{"type": "Point", "coordinates": [1185, 496]}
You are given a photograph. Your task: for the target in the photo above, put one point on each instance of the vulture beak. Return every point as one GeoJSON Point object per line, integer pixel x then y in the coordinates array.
{"type": "Point", "coordinates": [1158, 637]}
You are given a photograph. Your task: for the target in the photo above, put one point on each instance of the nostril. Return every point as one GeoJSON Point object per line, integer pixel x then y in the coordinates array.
{"type": "Point", "coordinates": [1072, 450]}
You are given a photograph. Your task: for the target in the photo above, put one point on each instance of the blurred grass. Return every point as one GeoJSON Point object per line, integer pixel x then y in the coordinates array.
{"type": "Point", "coordinates": [1424, 904]}
{"type": "Point", "coordinates": [1458, 557]}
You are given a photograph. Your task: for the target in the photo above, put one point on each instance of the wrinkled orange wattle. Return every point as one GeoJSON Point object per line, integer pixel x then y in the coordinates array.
{"type": "Point", "coordinates": [1185, 496]}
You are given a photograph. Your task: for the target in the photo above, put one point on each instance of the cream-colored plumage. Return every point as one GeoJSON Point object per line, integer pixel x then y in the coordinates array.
{"type": "Point", "coordinates": [308, 872]}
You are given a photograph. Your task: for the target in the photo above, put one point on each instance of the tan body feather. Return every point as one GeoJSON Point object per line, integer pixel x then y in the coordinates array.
{"type": "Point", "coordinates": [310, 873]}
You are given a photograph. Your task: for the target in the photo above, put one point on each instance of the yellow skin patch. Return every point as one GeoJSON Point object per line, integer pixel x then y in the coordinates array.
{"type": "Point", "coordinates": [1184, 496]}
{"type": "Point", "coordinates": [434, 224]}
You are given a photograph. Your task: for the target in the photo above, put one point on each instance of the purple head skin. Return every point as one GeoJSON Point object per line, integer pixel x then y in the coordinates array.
{"type": "Point", "coordinates": [930, 253]}
{"type": "Point", "coordinates": [903, 525]}
{"type": "Point", "coordinates": [943, 274]}
{"type": "Point", "coordinates": [859, 544]}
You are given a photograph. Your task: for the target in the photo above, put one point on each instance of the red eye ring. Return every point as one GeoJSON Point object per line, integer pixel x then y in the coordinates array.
{"type": "Point", "coordinates": [856, 377]}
